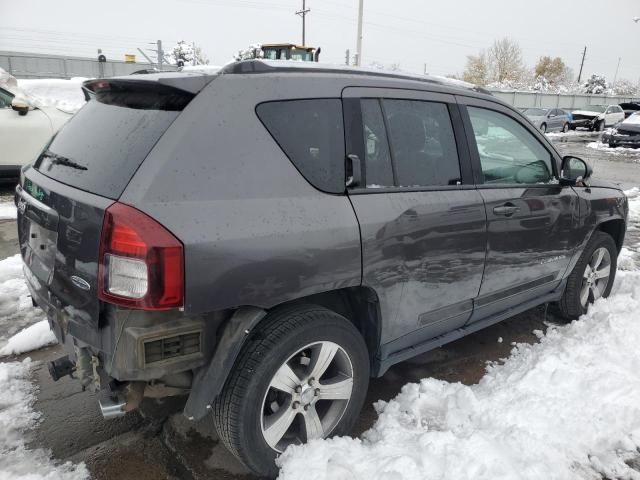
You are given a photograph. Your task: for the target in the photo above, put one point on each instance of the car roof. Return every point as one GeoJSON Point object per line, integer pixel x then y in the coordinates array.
{"type": "Point", "coordinates": [193, 81]}
{"type": "Point", "coordinates": [285, 66]}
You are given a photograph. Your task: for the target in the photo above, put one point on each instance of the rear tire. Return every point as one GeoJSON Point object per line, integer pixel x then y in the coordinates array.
{"type": "Point", "coordinates": [565, 128]}
{"type": "Point", "coordinates": [543, 128]}
{"type": "Point", "coordinates": [583, 282]}
{"type": "Point", "coordinates": [257, 420]}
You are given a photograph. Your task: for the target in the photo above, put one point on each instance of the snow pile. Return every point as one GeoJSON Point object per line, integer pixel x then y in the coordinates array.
{"type": "Point", "coordinates": [31, 338]}
{"type": "Point", "coordinates": [17, 462]}
{"type": "Point", "coordinates": [617, 150]}
{"type": "Point", "coordinates": [565, 408]}
{"type": "Point", "coordinates": [16, 308]}
{"type": "Point", "coordinates": [7, 80]}
{"type": "Point", "coordinates": [66, 95]}
{"type": "Point", "coordinates": [568, 407]}
{"type": "Point", "coordinates": [8, 210]}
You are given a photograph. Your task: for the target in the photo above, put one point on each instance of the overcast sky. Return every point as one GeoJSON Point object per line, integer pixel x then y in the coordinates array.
{"type": "Point", "coordinates": [409, 32]}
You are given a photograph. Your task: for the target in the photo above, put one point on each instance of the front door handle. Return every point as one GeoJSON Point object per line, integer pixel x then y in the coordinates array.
{"type": "Point", "coordinates": [506, 210]}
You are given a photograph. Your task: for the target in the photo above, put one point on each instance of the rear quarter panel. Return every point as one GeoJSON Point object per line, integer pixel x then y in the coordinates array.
{"type": "Point", "coordinates": [255, 231]}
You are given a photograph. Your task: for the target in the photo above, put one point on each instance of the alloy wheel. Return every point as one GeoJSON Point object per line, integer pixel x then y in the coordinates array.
{"type": "Point", "coordinates": [307, 396]}
{"type": "Point", "coordinates": [595, 278]}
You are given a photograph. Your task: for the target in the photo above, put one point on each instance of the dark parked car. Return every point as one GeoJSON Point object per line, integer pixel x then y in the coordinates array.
{"type": "Point", "coordinates": [267, 238]}
{"type": "Point", "coordinates": [626, 134]}
{"type": "Point", "coordinates": [630, 108]}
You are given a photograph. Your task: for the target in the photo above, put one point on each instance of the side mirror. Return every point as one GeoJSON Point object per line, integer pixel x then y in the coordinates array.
{"type": "Point", "coordinates": [575, 172]}
{"type": "Point", "coordinates": [20, 106]}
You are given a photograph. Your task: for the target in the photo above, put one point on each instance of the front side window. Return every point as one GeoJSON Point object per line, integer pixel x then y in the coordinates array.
{"type": "Point", "coordinates": [311, 134]}
{"type": "Point", "coordinates": [423, 146]}
{"type": "Point", "coordinates": [509, 153]}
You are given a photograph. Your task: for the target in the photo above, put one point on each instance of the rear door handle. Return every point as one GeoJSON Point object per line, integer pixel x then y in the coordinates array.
{"type": "Point", "coordinates": [506, 210]}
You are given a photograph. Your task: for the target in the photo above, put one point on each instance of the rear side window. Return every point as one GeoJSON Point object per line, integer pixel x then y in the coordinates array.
{"type": "Point", "coordinates": [311, 134]}
{"type": "Point", "coordinates": [102, 146]}
{"type": "Point", "coordinates": [378, 170]}
{"type": "Point", "coordinates": [423, 145]}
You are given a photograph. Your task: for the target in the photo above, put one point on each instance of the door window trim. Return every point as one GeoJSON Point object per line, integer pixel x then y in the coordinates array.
{"type": "Point", "coordinates": [463, 104]}
{"type": "Point", "coordinates": [355, 143]}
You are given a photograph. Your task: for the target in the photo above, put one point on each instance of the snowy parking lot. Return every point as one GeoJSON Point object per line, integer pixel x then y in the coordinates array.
{"type": "Point", "coordinates": [529, 398]}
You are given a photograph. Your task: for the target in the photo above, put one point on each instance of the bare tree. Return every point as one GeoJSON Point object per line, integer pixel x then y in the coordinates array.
{"type": "Point", "coordinates": [554, 70]}
{"type": "Point", "coordinates": [477, 69]}
{"type": "Point", "coordinates": [505, 60]}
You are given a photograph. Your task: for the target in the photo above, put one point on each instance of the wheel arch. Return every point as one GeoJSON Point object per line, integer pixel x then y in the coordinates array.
{"type": "Point", "coordinates": [616, 228]}
{"type": "Point", "coordinates": [359, 305]}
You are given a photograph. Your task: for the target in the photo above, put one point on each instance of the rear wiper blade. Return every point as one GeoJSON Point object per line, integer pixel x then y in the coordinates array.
{"type": "Point", "coordinates": [60, 160]}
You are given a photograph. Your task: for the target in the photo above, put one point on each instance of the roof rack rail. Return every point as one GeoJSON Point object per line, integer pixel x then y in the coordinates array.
{"type": "Point", "coordinates": [261, 66]}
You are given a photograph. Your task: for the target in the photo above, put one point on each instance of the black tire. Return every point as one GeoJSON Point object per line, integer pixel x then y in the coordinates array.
{"type": "Point", "coordinates": [600, 126]}
{"type": "Point", "coordinates": [238, 410]}
{"type": "Point", "coordinates": [570, 305]}
{"type": "Point", "coordinates": [565, 128]}
{"type": "Point", "coordinates": [543, 128]}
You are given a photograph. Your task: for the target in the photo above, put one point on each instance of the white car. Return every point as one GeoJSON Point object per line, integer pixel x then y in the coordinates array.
{"type": "Point", "coordinates": [25, 129]}
{"type": "Point", "coordinates": [597, 117]}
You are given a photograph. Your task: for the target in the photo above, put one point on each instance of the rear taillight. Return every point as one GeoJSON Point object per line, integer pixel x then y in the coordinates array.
{"type": "Point", "coordinates": [141, 262]}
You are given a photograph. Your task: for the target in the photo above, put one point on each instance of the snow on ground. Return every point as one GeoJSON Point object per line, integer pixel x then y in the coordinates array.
{"type": "Point", "coordinates": [8, 210]}
{"type": "Point", "coordinates": [65, 95]}
{"type": "Point", "coordinates": [614, 151]}
{"type": "Point", "coordinates": [571, 133]}
{"type": "Point", "coordinates": [17, 461]}
{"type": "Point", "coordinates": [565, 408]}
{"type": "Point", "coordinates": [31, 338]}
{"type": "Point", "coordinates": [16, 308]}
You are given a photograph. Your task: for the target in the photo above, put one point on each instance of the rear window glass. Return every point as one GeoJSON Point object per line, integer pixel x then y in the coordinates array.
{"type": "Point", "coordinates": [103, 145]}
{"type": "Point", "coordinates": [311, 134]}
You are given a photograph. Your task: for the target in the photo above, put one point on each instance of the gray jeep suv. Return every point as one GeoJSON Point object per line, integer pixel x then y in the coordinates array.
{"type": "Point", "coordinates": [267, 238]}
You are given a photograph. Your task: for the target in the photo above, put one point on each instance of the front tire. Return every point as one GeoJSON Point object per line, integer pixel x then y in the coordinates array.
{"type": "Point", "coordinates": [543, 128]}
{"type": "Point", "coordinates": [303, 374]}
{"type": "Point", "coordinates": [600, 126]}
{"type": "Point", "coordinates": [565, 128]}
{"type": "Point", "coordinates": [592, 277]}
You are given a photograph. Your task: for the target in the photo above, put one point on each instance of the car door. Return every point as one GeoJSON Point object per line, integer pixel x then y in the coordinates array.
{"type": "Point", "coordinates": [422, 221]}
{"type": "Point", "coordinates": [531, 218]}
{"type": "Point", "coordinates": [23, 136]}
{"type": "Point", "coordinates": [559, 118]}
{"type": "Point", "coordinates": [619, 113]}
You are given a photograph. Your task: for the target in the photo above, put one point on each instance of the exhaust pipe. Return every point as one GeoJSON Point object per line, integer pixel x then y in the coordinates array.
{"type": "Point", "coordinates": [111, 406]}
{"type": "Point", "coordinates": [61, 367]}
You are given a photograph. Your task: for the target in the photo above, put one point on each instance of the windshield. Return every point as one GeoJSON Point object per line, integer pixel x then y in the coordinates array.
{"type": "Point", "coordinates": [303, 55]}
{"type": "Point", "coordinates": [535, 112]}
{"type": "Point", "coordinates": [594, 108]}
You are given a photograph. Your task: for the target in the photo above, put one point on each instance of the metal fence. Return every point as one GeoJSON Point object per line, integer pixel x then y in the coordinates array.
{"type": "Point", "coordinates": [557, 100]}
{"type": "Point", "coordinates": [31, 65]}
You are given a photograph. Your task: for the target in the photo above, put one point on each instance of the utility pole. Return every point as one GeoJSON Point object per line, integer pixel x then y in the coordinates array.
{"type": "Point", "coordinates": [615, 77]}
{"type": "Point", "coordinates": [359, 39]}
{"type": "Point", "coordinates": [584, 54]}
{"type": "Point", "coordinates": [425, 68]}
{"type": "Point", "coordinates": [160, 54]}
{"type": "Point", "coordinates": [347, 57]}
{"type": "Point", "coordinates": [303, 13]}
{"type": "Point", "coordinates": [158, 51]}
{"type": "Point", "coordinates": [193, 46]}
